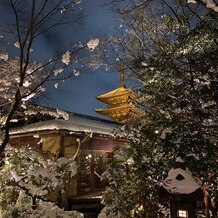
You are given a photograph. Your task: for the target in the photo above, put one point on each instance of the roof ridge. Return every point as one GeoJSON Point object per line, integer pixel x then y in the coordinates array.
{"type": "Point", "coordinates": [77, 114]}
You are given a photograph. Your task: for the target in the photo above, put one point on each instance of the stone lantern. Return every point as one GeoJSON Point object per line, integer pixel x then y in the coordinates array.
{"type": "Point", "coordinates": [182, 190]}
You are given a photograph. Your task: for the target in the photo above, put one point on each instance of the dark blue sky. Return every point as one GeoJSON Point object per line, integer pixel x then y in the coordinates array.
{"type": "Point", "coordinates": [78, 93]}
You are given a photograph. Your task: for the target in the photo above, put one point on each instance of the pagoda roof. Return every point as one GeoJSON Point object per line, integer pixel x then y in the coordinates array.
{"type": "Point", "coordinates": [118, 96]}
{"type": "Point", "coordinates": [124, 113]}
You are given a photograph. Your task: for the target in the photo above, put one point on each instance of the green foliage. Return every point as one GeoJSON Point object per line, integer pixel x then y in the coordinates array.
{"type": "Point", "coordinates": [132, 178]}
{"type": "Point", "coordinates": [174, 54]}
{"type": "Point", "coordinates": [7, 197]}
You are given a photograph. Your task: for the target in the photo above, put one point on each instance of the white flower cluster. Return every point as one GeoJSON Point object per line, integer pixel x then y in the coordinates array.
{"type": "Point", "coordinates": [35, 174]}
{"type": "Point", "coordinates": [93, 43]}
{"type": "Point", "coordinates": [66, 58]}
{"type": "Point", "coordinates": [211, 4]}
{"type": "Point", "coordinates": [10, 79]}
{"type": "Point", "coordinates": [44, 210]}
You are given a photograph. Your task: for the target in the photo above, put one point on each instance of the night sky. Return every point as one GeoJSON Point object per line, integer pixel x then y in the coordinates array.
{"type": "Point", "coordinates": [78, 93]}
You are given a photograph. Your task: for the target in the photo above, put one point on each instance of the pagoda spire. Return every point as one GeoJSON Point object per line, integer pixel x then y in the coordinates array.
{"type": "Point", "coordinates": [122, 78]}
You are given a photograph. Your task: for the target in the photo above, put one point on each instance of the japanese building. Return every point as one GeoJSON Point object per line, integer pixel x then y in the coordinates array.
{"type": "Point", "coordinates": [91, 136]}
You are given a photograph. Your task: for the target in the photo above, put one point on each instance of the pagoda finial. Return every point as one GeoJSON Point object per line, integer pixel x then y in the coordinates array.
{"type": "Point", "coordinates": [122, 78]}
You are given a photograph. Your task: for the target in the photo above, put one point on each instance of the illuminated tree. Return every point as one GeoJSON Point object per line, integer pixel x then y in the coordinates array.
{"type": "Point", "coordinates": [171, 47]}
{"type": "Point", "coordinates": [24, 71]}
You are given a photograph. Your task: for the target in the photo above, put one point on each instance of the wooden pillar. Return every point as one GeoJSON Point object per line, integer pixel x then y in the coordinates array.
{"type": "Point", "coordinates": [92, 173]}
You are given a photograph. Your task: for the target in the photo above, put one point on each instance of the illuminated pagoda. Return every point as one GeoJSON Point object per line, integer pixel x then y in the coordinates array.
{"type": "Point", "coordinates": [121, 104]}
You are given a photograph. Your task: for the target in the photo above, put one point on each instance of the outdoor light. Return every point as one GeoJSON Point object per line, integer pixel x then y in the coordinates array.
{"type": "Point", "coordinates": [88, 156]}
{"type": "Point", "coordinates": [183, 213]}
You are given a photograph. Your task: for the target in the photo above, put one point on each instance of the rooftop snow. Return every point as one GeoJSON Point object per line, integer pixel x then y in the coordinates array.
{"type": "Point", "coordinates": [74, 124]}
{"type": "Point", "coordinates": [180, 181]}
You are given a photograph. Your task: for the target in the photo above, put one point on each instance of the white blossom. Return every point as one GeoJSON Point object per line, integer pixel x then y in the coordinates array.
{"type": "Point", "coordinates": [78, 1]}
{"type": "Point", "coordinates": [57, 71]}
{"type": "Point", "coordinates": [77, 73]}
{"type": "Point", "coordinates": [29, 71]}
{"type": "Point", "coordinates": [35, 173]}
{"type": "Point", "coordinates": [93, 43]}
{"type": "Point", "coordinates": [26, 83]}
{"type": "Point", "coordinates": [28, 97]}
{"type": "Point", "coordinates": [66, 58]}
{"type": "Point", "coordinates": [4, 56]}
{"type": "Point", "coordinates": [144, 64]}
{"type": "Point", "coordinates": [16, 177]}
{"type": "Point", "coordinates": [17, 44]}
{"type": "Point", "coordinates": [62, 10]}
{"type": "Point", "coordinates": [211, 4]}
{"type": "Point", "coordinates": [56, 85]}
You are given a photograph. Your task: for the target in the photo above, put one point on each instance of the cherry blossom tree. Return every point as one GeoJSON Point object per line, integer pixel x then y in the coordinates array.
{"type": "Point", "coordinates": [28, 179]}
{"type": "Point", "coordinates": [24, 71]}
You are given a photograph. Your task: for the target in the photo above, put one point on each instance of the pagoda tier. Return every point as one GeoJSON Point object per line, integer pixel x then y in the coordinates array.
{"type": "Point", "coordinates": [121, 104]}
{"type": "Point", "coordinates": [122, 113]}
{"type": "Point", "coordinates": [119, 96]}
